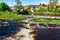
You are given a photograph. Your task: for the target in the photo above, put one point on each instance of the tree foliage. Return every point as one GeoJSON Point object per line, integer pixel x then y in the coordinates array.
{"type": "Point", "coordinates": [54, 1]}
{"type": "Point", "coordinates": [4, 6]}
{"type": "Point", "coordinates": [51, 7]}
{"type": "Point", "coordinates": [27, 12]}
{"type": "Point", "coordinates": [18, 2]}
{"type": "Point", "coordinates": [58, 10]}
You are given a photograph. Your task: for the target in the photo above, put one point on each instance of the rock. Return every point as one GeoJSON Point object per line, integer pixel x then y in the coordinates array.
{"type": "Point", "coordinates": [20, 35]}
{"type": "Point", "coordinates": [5, 22]}
{"type": "Point", "coordinates": [11, 38]}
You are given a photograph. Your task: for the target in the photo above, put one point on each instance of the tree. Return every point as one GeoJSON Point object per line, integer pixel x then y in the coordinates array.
{"type": "Point", "coordinates": [54, 1]}
{"type": "Point", "coordinates": [4, 6]}
{"type": "Point", "coordinates": [18, 2]}
{"type": "Point", "coordinates": [52, 6]}
{"type": "Point", "coordinates": [58, 10]}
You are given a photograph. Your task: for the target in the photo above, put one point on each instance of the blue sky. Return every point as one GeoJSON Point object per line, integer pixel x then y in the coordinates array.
{"type": "Point", "coordinates": [26, 2]}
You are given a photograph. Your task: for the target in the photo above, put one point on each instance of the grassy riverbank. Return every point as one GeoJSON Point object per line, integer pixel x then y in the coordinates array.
{"type": "Point", "coordinates": [46, 21]}
{"type": "Point", "coordinates": [12, 16]}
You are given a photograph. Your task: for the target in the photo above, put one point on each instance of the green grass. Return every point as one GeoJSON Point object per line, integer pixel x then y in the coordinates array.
{"type": "Point", "coordinates": [46, 21]}
{"type": "Point", "coordinates": [11, 16]}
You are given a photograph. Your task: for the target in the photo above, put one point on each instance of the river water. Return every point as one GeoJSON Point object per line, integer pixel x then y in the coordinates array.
{"type": "Point", "coordinates": [41, 33]}
{"type": "Point", "coordinates": [48, 34]}
{"type": "Point", "coordinates": [6, 30]}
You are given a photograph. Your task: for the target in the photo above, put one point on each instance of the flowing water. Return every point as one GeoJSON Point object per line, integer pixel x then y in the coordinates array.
{"type": "Point", "coordinates": [41, 33]}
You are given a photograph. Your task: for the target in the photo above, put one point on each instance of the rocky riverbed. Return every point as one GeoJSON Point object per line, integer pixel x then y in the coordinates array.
{"type": "Point", "coordinates": [16, 30]}
{"type": "Point", "coordinates": [22, 34]}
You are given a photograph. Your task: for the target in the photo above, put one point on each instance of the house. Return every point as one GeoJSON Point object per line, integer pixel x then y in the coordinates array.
{"type": "Point", "coordinates": [13, 8]}
{"type": "Point", "coordinates": [58, 6]}
{"type": "Point", "coordinates": [31, 7]}
{"type": "Point", "coordinates": [37, 7]}
{"type": "Point", "coordinates": [26, 7]}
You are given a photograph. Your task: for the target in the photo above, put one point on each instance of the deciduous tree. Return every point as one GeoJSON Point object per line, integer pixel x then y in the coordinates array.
{"type": "Point", "coordinates": [4, 6]}
{"type": "Point", "coordinates": [18, 2]}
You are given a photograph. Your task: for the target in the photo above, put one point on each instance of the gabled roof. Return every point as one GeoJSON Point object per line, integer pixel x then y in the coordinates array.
{"type": "Point", "coordinates": [26, 7]}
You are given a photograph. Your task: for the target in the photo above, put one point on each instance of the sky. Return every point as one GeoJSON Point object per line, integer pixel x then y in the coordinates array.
{"type": "Point", "coordinates": [26, 2]}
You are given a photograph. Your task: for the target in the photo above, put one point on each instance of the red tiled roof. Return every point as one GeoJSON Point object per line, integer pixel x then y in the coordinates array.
{"type": "Point", "coordinates": [26, 6]}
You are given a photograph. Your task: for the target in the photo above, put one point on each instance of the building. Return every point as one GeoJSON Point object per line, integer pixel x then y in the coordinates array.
{"type": "Point", "coordinates": [37, 7]}
{"type": "Point", "coordinates": [26, 7]}
{"type": "Point", "coordinates": [31, 7]}
{"type": "Point", "coordinates": [13, 8]}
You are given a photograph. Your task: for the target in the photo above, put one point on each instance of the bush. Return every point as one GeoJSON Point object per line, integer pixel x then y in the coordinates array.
{"type": "Point", "coordinates": [51, 7]}
{"type": "Point", "coordinates": [58, 10]}
{"type": "Point", "coordinates": [38, 13]}
{"type": "Point", "coordinates": [26, 12]}
{"type": "Point", "coordinates": [57, 14]}
{"type": "Point", "coordinates": [17, 12]}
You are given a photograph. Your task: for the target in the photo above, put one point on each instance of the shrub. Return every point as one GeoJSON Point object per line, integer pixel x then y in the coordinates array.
{"type": "Point", "coordinates": [38, 13]}
{"type": "Point", "coordinates": [17, 12]}
{"type": "Point", "coordinates": [27, 12]}
{"type": "Point", "coordinates": [58, 10]}
{"type": "Point", "coordinates": [51, 7]}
